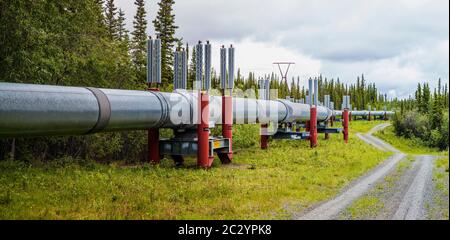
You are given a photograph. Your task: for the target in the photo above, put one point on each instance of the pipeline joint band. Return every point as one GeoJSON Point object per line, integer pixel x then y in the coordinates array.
{"type": "Point", "coordinates": [104, 111]}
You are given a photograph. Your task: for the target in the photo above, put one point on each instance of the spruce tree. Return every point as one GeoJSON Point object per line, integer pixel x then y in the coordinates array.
{"type": "Point", "coordinates": [436, 115]}
{"type": "Point", "coordinates": [165, 27]}
{"type": "Point", "coordinates": [139, 40]}
{"type": "Point", "coordinates": [122, 32]}
{"type": "Point", "coordinates": [425, 100]}
{"type": "Point", "coordinates": [99, 9]}
{"type": "Point", "coordinates": [445, 99]}
{"type": "Point", "coordinates": [419, 95]}
{"type": "Point", "coordinates": [111, 19]}
{"type": "Point", "coordinates": [439, 88]}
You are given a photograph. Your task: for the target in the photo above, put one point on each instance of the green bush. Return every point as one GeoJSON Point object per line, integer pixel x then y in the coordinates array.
{"type": "Point", "coordinates": [418, 126]}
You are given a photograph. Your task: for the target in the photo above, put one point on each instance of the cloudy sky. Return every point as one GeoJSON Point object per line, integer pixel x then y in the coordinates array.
{"type": "Point", "coordinates": [394, 43]}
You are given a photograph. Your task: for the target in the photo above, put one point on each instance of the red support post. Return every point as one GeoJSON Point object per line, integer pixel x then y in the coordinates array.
{"type": "Point", "coordinates": [203, 158]}
{"type": "Point", "coordinates": [307, 126]}
{"type": "Point", "coordinates": [345, 118]}
{"type": "Point", "coordinates": [227, 127]}
{"type": "Point", "coordinates": [153, 145]}
{"type": "Point", "coordinates": [153, 141]}
{"type": "Point", "coordinates": [327, 136]}
{"type": "Point", "coordinates": [264, 136]}
{"type": "Point", "coordinates": [313, 127]}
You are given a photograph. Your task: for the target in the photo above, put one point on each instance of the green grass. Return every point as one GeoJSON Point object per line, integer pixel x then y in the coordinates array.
{"type": "Point", "coordinates": [365, 206]}
{"type": "Point", "coordinates": [441, 178]}
{"type": "Point", "coordinates": [370, 205]}
{"type": "Point", "coordinates": [409, 146]}
{"type": "Point", "coordinates": [391, 179]}
{"type": "Point", "coordinates": [270, 184]}
{"type": "Point", "coordinates": [442, 162]}
{"type": "Point", "coordinates": [362, 126]}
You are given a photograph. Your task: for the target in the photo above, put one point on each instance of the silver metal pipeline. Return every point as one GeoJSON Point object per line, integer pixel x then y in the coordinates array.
{"type": "Point", "coordinates": [40, 110]}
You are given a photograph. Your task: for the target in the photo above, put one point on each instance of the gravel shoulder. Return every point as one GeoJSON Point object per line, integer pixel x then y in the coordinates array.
{"type": "Point", "coordinates": [404, 194]}
{"type": "Point", "coordinates": [412, 206]}
{"type": "Point", "coordinates": [332, 208]}
{"type": "Point", "coordinates": [401, 188]}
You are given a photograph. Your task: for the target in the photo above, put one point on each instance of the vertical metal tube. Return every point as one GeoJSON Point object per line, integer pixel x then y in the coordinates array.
{"type": "Point", "coordinates": [310, 94]}
{"type": "Point", "coordinates": [261, 89]}
{"type": "Point", "coordinates": [207, 86]}
{"type": "Point", "coordinates": [316, 92]}
{"type": "Point", "coordinates": [326, 101]}
{"type": "Point", "coordinates": [180, 70]}
{"type": "Point", "coordinates": [327, 104]}
{"type": "Point", "coordinates": [198, 66]}
{"type": "Point", "coordinates": [157, 53]}
{"type": "Point", "coordinates": [183, 70]}
{"type": "Point", "coordinates": [175, 70]}
{"type": "Point", "coordinates": [149, 60]}
{"type": "Point", "coordinates": [231, 67]}
{"type": "Point", "coordinates": [223, 68]}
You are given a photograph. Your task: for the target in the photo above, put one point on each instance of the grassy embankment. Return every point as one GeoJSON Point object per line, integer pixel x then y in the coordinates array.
{"type": "Point", "coordinates": [259, 184]}
{"type": "Point", "coordinates": [409, 146]}
{"type": "Point", "coordinates": [441, 183]}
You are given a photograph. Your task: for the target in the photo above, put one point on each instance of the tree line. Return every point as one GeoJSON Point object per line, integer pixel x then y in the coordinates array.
{"type": "Point", "coordinates": [424, 117]}
{"type": "Point", "coordinates": [86, 43]}
{"type": "Point", "coordinates": [80, 43]}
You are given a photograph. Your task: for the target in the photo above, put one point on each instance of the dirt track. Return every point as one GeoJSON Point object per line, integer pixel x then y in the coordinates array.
{"type": "Point", "coordinates": [405, 191]}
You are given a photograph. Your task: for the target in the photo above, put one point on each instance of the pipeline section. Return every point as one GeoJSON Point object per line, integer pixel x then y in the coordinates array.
{"type": "Point", "coordinates": [41, 110]}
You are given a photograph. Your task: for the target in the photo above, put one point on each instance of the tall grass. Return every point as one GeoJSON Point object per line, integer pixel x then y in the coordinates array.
{"type": "Point", "coordinates": [272, 184]}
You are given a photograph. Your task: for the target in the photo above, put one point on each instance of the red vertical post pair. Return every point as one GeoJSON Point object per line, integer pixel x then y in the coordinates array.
{"type": "Point", "coordinates": [204, 159]}
{"type": "Point", "coordinates": [345, 117]}
{"type": "Point", "coordinates": [313, 127]}
{"type": "Point", "coordinates": [153, 141]}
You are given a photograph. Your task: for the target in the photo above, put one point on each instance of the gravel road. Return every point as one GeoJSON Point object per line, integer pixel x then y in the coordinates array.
{"type": "Point", "coordinates": [405, 198]}
{"type": "Point", "coordinates": [412, 206]}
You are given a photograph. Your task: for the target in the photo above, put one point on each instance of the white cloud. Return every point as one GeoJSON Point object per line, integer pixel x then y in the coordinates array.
{"type": "Point", "coordinates": [394, 43]}
{"type": "Point", "coordinates": [258, 57]}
